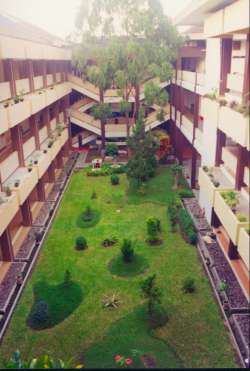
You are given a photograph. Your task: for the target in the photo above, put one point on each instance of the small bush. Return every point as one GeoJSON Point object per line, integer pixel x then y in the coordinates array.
{"type": "Point", "coordinates": [158, 318]}
{"type": "Point", "coordinates": [205, 168]}
{"type": "Point", "coordinates": [247, 229]}
{"type": "Point", "coordinates": [127, 251]}
{"type": "Point", "coordinates": [118, 169]}
{"type": "Point", "coordinates": [188, 285]}
{"type": "Point", "coordinates": [173, 216]}
{"type": "Point", "coordinates": [186, 193]}
{"type": "Point", "coordinates": [153, 228]}
{"type": "Point", "coordinates": [241, 218]}
{"type": "Point", "coordinates": [109, 241]}
{"type": "Point", "coordinates": [81, 243]}
{"type": "Point", "coordinates": [39, 315]}
{"type": "Point", "coordinates": [187, 226]}
{"type": "Point", "coordinates": [114, 179]}
{"type": "Point", "coordinates": [111, 150]}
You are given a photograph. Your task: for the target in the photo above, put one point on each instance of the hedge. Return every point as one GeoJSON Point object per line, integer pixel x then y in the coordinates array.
{"type": "Point", "coordinates": [187, 226]}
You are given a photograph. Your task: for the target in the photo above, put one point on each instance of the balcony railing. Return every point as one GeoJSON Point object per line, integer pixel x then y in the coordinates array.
{"type": "Point", "coordinates": [229, 157]}
{"type": "Point", "coordinates": [22, 85]}
{"type": "Point", "coordinates": [40, 161]}
{"type": "Point", "coordinates": [8, 209]}
{"type": "Point", "coordinates": [18, 112]}
{"type": "Point", "coordinates": [3, 120]}
{"type": "Point", "coordinates": [243, 246]}
{"type": "Point", "coordinates": [5, 92]}
{"type": "Point", "coordinates": [235, 82]}
{"type": "Point", "coordinates": [38, 82]}
{"type": "Point", "coordinates": [38, 102]}
{"type": "Point", "coordinates": [50, 80]}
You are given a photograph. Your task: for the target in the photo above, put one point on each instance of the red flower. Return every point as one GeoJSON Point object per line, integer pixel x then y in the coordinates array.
{"type": "Point", "coordinates": [128, 361]}
{"type": "Point", "coordinates": [118, 358]}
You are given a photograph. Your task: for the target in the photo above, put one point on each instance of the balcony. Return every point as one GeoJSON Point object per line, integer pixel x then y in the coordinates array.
{"type": "Point", "coordinates": [38, 102]}
{"type": "Point", "coordinates": [18, 112]}
{"type": "Point", "coordinates": [40, 161]}
{"type": "Point", "coordinates": [22, 182]}
{"type": "Point", "coordinates": [5, 92]}
{"type": "Point", "coordinates": [247, 176]}
{"type": "Point", "coordinates": [187, 126]}
{"type": "Point", "coordinates": [3, 120]}
{"type": "Point", "coordinates": [235, 82]}
{"type": "Point", "coordinates": [64, 137]}
{"type": "Point", "coordinates": [22, 86]}
{"type": "Point", "coordinates": [8, 209]}
{"type": "Point", "coordinates": [243, 246]}
{"type": "Point", "coordinates": [38, 82]}
{"type": "Point", "coordinates": [58, 77]}
{"type": "Point", "coordinates": [62, 90]}
{"type": "Point", "coordinates": [234, 125]}
{"type": "Point", "coordinates": [213, 180]}
{"type": "Point", "coordinates": [51, 96]}
{"type": "Point", "coordinates": [210, 111]}
{"type": "Point", "coordinates": [229, 157]}
{"type": "Point", "coordinates": [228, 219]}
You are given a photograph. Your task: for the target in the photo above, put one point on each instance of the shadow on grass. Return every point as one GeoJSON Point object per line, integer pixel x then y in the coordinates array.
{"type": "Point", "coordinates": [62, 301]}
{"type": "Point", "coordinates": [96, 216]}
{"type": "Point", "coordinates": [119, 268]}
{"type": "Point", "coordinates": [129, 333]}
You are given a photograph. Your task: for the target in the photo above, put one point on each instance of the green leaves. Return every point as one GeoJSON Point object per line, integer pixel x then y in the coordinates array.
{"type": "Point", "coordinates": [102, 111]}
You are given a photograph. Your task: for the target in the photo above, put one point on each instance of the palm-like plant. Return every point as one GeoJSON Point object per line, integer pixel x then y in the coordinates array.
{"type": "Point", "coordinates": [176, 170]}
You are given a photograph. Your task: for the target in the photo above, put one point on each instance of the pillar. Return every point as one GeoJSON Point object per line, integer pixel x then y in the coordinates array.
{"type": "Point", "coordinates": [16, 136]}
{"type": "Point", "coordinates": [10, 76]}
{"type": "Point", "coordinates": [59, 160]}
{"type": "Point", "coordinates": [193, 170]}
{"type": "Point", "coordinates": [242, 160]}
{"type": "Point", "coordinates": [245, 97]}
{"type": "Point", "coordinates": [233, 251]}
{"type": "Point", "coordinates": [41, 190]}
{"type": "Point", "coordinates": [226, 56]}
{"type": "Point", "coordinates": [215, 221]}
{"type": "Point", "coordinates": [221, 142]}
{"type": "Point", "coordinates": [35, 130]}
{"type": "Point", "coordinates": [51, 173]}
{"type": "Point", "coordinates": [31, 75]}
{"type": "Point", "coordinates": [7, 248]}
{"type": "Point", "coordinates": [26, 213]}
{"type": "Point", "coordinates": [44, 73]}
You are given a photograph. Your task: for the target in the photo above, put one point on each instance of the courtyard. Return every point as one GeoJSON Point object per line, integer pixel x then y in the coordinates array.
{"type": "Point", "coordinates": [79, 327]}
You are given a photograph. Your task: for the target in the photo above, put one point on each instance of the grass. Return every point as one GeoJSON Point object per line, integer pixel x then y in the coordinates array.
{"type": "Point", "coordinates": [194, 336]}
{"type": "Point", "coordinates": [118, 267]}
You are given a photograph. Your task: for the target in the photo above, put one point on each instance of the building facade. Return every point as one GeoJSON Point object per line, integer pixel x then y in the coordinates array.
{"type": "Point", "coordinates": [210, 119]}
{"type": "Point", "coordinates": [34, 130]}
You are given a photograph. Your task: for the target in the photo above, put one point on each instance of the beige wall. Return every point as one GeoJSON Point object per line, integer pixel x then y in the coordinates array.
{"type": "Point", "coordinates": [213, 62]}
{"type": "Point", "coordinates": [9, 165]}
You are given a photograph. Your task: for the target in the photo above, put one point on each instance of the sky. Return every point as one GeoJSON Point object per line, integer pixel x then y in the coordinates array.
{"type": "Point", "coordinates": [58, 16]}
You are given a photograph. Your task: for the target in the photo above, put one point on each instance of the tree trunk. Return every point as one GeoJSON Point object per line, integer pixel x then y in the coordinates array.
{"type": "Point", "coordinates": [102, 121]}
{"type": "Point", "coordinates": [137, 100]}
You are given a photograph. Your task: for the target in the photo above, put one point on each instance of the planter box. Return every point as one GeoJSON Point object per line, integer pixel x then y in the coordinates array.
{"type": "Point", "coordinates": [55, 149]}
{"type": "Point", "coordinates": [228, 218]}
{"type": "Point", "coordinates": [244, 246]}
{"type": "Point", "coordinates": [27, 183]}
{"type": "Point", "coordinates": [234, 125]}
{"type": "Point", "coordinates": [43, 164]}
{"type": "Point", "coordinates": [7, 211]}
{"type": "Point", "coordinates": [18, 112]}
{"type": "Point", "coordinates": [3, 120]}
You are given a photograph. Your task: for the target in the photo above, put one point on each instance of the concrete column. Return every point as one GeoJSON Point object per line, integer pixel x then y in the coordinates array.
{"type": "Point", "coordinates": [35, 130]}
{"type": "Point", "coordinates": [41, 190]}
{"type": "Point", "coordinates": [51, 172]}
{"type": "Point", "coordinates": [17, 141]}
{"type": "Point", "coordinates": [233, 251]}
{"type": "Point", "coordinates": [193, 170]}
{"type": "Point", "coordinates": [242, 160]}
{"type": "Point", "coordinates": [245, 97]}
{"type": "Point", "coordinates": [10, 76]}
{"type": "Point", "coordinates": [31, 75]}
{"type": "Point", "coordinates": [221, 141]}
{"type": "Point", "coordinates": [44, 69]}
{"type": "Point", "coordinates": [226, 56]}
{"type": "Point", "coordinates": [7, 248]}
{"type": "Point", "coordinates": [59, 160]}
{"type": "Point", "coordinates": [215, 222]}
{"type": "Point", "coordinates": [26, 213]}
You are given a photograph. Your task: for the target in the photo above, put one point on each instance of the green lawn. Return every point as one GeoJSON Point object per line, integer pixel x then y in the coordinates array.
{"type": "Point", "coordinates": [194, 336]}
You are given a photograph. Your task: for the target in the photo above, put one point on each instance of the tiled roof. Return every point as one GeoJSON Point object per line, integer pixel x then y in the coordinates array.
{"type": "Point", "coordinates": [14, 27]}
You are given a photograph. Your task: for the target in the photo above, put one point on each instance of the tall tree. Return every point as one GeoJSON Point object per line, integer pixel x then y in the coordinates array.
{"type": "Point", "coordinates": [143, 146]}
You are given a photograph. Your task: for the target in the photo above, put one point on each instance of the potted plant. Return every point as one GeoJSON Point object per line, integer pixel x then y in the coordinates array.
{"type": "Point", "coordinates": [6, 104]}
{"type": "Point", "coordinates": [232, 199]}
{"type": "Point", "coordinates": [45, 151]}
{"type": "Point", "coordinates": [30, 166]}
{"type": "Point", "coordinates": [35, 162]}
{"type": "Point", "coordinates": [8, 191]}
{"type": "Point", "coordinates": [16, 183]}
{"type": "Point", "coordinates": [51, 142]}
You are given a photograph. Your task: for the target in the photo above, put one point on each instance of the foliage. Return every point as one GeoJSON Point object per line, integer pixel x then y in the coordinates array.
{"type": "Point", "coordinates": [119, 267]}
{"type": "Point", "coordinates": [107, 242]}
{"type": "Point", "coordinates": [142, 165]}
{"type": "Point", "coordinates": [241, 218]}
{"type": "Point", "coordinates": [247, 229]}
{"type": "Point", "coordinates": [42, 362]}
{"type": "Point", "coordinates": [127, 251]}
{"type": "Point", "coordinates": [186, 193]}
{"type": "Point", "coordinates": [205, 168]}
{"type": "Point", "coordinates": [187, 226]}
{"type": "Point", "coordinates": [88, 214]}
{"type": "Point", "coordinates": [222, 286]}
{"type": "Point", "coordinates": [111, 150]}
{"type": "Point", "coordinates": [115, 180]}
{"type": "Point", "coordinates": [173, 215]}
{"type": "Point", "coordinates": [111, 301]}
{"type": "Point", "coordinates": [188, 285]}
{"type": "Point", "coordinates": [231, 198]}
{"type": "Point", "coordinates": [153, 228]}
{"type": "Point", "coordinates": [102, 111]}
{"type": "Point", "coordinates": [160, 115]}
{"type": "Point", "coordinates": [93, 195]}
{"type": "Point", "coordinates": [176, 169]}
{"type": "Point", "coordinates": [81, 243]}
{"type": "Point", "coordinates": [7, 191]}
{"type": "Point", "coordinates": [39, 315]}
{"type": "Point", "coordinates": [89, 218]}
{"type": "Point", "coordinates": [151, 292]}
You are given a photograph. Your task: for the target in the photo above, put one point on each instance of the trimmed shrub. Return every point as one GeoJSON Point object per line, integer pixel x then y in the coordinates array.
{"type": "Point", "coordinates": [127, 251]}
{"type": "Point", "coordinates": [188, 285]}
{"type": "Point", "coordinates": [114, 179]}
{"type": "Point", "coordinates": [186, 193]}
{"type": "Point", "coordinates": [241, 218]}
{"type": "Point", "coordinates": [40, 315]}
{"type": "Point", "coordinates": [153, 228]}
{"type": "Point", "coordinates": [93, 196]}
{"type": "Point", "coordinates": [111, 150]}
{"type": "Point", "coordinates": [81, 243]}
{"type": "Point", "coordinates": [187, 226]}
{"type": "Point", "coordinates": [172, 215]}
{"type": "Point", "coordinates": [109, 241]}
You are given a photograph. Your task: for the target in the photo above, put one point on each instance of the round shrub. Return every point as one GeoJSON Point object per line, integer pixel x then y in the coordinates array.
{"type": "Point", "coordinates": [188, 285]}
{"type": "Point", "coordinates": [153, 229]}
{"type": "Point", "coordinates": [127, 251]}
{"type": "Point", "coordinates": [111, 150]}
{"type": "Point", "coordinates": [81, 243]}
{"type": "Point", "coordinates": [40, 315]}
{"type": "Point", "coordinates": [115, 180]}
{"type": "Point", "coordinates": [88, 214]}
